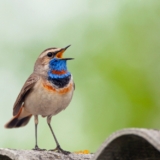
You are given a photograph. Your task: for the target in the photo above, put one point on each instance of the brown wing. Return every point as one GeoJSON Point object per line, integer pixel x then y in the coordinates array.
{"type": "Point", "coordinates": [25, 90]}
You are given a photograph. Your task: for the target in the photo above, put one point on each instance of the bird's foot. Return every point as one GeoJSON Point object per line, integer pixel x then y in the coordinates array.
{"type": "Point", "coordinates": [60, 150]}
{"type": "Point", "coordinates": [38, 149]}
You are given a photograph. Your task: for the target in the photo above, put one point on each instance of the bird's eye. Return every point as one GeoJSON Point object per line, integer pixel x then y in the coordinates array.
{"type": "Point", "coordinates": [49, 54]}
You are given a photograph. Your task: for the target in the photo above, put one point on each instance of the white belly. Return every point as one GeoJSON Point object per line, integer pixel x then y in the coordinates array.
{"type": "Point", "coordinates": [42, 101]}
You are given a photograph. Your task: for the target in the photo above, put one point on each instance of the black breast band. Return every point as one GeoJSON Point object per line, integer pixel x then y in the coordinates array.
{"type": "Point", "coordinates": [60, 82]}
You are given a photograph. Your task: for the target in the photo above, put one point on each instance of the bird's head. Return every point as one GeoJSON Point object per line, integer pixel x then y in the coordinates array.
{"type": "Point", "coordinates": [51, 59]}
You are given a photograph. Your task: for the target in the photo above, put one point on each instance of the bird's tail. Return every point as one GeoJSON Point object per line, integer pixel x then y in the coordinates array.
{"type": "Point", "coordinates": [19, 120]}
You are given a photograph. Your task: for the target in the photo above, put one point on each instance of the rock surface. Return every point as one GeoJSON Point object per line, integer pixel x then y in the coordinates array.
{"type": "Point", "coordinates": [126, 144]}
{"type": "Point", "coordinates": [12, 154]}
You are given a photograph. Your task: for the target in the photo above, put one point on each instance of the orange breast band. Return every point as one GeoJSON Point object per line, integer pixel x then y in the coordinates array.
{"type": "Point", "coordinates": [60, 90]}
{"type": "Point", "coordinates": [49, 87]}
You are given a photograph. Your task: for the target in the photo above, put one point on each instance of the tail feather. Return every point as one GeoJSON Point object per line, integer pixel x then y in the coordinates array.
{"type": "Point", "coordinates": [23, 121]}
{"type": "Point", "coordinates": [19, 120]}
{"type": "Point", "coordinates": [15, 122]}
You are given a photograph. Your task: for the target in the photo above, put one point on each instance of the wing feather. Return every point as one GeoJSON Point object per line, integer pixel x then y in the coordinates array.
{"type": "Point", "coordinates": [27, 87]}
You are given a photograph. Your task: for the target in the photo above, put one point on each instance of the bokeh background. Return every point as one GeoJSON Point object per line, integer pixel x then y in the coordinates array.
{"type": "Point", "coordinates": [116, 46]}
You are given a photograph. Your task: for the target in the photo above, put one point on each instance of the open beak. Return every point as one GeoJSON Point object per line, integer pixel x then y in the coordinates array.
{"type": "Point", "coordinates": [66, 47]}
{"type": "Point", "coordinates": [61, 51]}
{"type": "Point", "coordinates": [67, 58]}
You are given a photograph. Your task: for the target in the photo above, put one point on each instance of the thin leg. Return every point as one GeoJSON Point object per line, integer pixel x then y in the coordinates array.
{"type": "Point", "coordinates": [58, 148]}
{"type": "Point", "coordinates": [36, 124]}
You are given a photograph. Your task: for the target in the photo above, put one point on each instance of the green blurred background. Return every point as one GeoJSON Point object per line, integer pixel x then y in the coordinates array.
{"type": "Point", "coordinates": [116, 46]}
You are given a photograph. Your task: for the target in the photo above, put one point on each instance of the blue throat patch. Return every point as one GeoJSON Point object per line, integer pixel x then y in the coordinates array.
{"type": "Point", "coordinates": [58, 65]}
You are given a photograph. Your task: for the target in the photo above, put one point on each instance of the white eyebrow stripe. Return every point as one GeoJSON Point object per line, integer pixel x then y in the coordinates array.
{"type": "Point", "coordinates": [49, 50]}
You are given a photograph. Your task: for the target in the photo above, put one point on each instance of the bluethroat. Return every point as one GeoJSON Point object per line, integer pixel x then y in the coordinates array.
{"type": "Point", "coordinates": [47, 91]}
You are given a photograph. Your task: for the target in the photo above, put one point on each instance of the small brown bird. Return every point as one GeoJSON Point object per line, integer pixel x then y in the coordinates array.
{"type": "Point", "coordinates": [47, 91]}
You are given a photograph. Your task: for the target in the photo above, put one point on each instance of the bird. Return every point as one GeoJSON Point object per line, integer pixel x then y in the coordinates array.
{"type": "Point", "coordinates": [47, 91]}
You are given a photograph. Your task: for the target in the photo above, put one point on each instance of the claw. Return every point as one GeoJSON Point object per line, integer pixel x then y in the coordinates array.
{"type": "Point", "coordinates": [60, 150]}
{"type": "Point", "coordinates": [38, 149]}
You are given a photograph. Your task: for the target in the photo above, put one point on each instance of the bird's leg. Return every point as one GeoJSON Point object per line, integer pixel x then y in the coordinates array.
{"type": "Point", "coordinates": [36, 124]}
{"type": "Point", "coordinates": [58, 148]}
